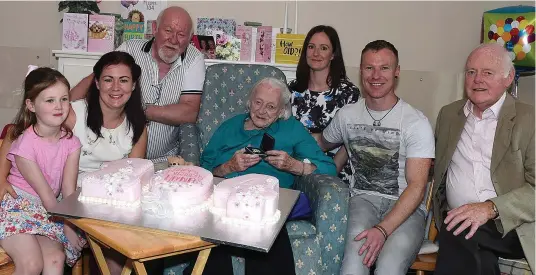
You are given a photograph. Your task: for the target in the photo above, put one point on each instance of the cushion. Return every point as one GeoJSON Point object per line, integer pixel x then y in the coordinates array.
{"type": "Point", "coordinates": [300, 229]}
{"type": "Point", "coordinates": [428, 247]}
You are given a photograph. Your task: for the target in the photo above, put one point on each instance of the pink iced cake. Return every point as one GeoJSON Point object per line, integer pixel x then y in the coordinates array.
{"type": "Point", "coordinates": [117, 183]}
{"type": "Point", "coordinates": [250, 199]}
{"type": "Point", "coordinates": [182, 188]}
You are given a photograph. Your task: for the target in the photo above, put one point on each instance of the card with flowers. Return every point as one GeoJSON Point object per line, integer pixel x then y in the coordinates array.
{"type": "Point", "coordinates": [247, 35]}
{"type": "Point", "coordinates": [263, 51]}
{"type": "Point", "coordinates": [227, 47]}
{"type": "Point", "coordinates": [74, 36]}
{"type": "Point", "coordinates": [206, 25]}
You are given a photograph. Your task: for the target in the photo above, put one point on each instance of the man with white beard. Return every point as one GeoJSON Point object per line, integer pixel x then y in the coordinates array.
{"type": "Point", "coordinates": [173, 73]}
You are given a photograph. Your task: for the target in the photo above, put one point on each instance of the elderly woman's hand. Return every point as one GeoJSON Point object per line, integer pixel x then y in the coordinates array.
{"type": "Point", "coordinates": [240, 161]}
{"type": "Point", "coordinates": [282, 161]}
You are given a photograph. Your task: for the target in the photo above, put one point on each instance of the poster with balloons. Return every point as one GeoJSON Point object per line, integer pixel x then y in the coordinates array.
{"type": "Point", "coordinates": [142, 11]}
{"type": "Point", "coordinates": [513, 28]}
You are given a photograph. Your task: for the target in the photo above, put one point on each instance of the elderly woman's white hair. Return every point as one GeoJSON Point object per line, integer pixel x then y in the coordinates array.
{"type": "Point", "coordinates": [283, 90]}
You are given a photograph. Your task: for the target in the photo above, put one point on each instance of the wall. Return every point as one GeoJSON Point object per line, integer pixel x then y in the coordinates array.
{"type": "Point", "coordinates": [433, 37]}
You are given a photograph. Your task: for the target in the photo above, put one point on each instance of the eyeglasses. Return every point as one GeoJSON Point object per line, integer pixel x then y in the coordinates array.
{"type": "Point", "coordinates": [158, 88]}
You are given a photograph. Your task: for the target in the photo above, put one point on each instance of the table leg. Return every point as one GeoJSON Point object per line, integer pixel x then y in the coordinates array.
{"type": "Point", "coordinates": [127, 268]}
{"type": "Point", "coordinates": [139, 268]}
{"type": "Point", "coordinates": [201, 261]}
{"type": "Point", "coordinates": [99, 256]}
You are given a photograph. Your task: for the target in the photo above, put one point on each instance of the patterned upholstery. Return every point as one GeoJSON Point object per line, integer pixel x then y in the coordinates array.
{"type": "Point", "coordinates": [188, 143]}
{"type": "Point", "coordinates": [317, 244]}
{"type": "Point", "coordinates": [329, 200]}
{"type": "Point", "coordinates": [226, 92]}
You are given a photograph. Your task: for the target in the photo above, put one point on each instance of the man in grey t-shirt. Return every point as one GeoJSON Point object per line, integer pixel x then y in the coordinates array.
{"type": "Point", "coordinates": [390, 145]}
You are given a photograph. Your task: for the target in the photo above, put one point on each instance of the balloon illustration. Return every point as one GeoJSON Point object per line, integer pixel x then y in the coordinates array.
{"type": "Point", "coordinates": [127, 3]}
{"type": "Point", "coordinates": [512, 28]}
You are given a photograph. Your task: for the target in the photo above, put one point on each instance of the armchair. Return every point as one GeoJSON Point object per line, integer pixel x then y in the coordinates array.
{"type": "Point", "coordinates": [318, 243]}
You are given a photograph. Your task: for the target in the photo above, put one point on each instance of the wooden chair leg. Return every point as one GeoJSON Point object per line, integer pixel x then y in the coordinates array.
{"type": "Point", "coordinates": [81, 267]}
{"type": "Point", "coordinates": [77, 268]}
{"type": "Point", "coordinates": [419, 272]}
{"type": "Point", "coordinates": [86, 256]}
{"type": "Point", "coordinates": [7, 269]}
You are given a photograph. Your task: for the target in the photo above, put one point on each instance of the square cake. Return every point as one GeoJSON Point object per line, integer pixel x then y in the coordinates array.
{"type": "Point", "coordinates": [251, 199]}
{"type": "Point", "coordinates": [117, 183]}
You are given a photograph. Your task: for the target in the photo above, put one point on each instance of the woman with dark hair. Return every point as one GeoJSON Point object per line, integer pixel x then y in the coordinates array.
{"type": "Point", "coordinates": [110, 121]}
{"type": "Point", "coordinates": [321, 87]}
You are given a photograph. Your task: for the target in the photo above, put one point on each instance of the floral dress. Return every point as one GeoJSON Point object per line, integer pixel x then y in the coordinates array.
{"type": "Point", "coordinates": [26, 215]}
{"type": "Point", "coordinates": [315, 110]}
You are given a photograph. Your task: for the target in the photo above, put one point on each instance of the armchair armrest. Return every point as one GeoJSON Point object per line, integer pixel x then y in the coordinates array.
{"type": "Point", "coordinates": [188, 143]}
{"type": "Point", "coordinates": [329, 198]}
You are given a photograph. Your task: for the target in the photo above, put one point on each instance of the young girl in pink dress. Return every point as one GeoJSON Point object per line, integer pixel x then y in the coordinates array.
{"type": "Point", "coordinates": [44, 163]}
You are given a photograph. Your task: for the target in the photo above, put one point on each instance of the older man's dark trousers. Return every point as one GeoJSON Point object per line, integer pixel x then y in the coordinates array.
{"type": "Point", "coordinates": [478, 255]}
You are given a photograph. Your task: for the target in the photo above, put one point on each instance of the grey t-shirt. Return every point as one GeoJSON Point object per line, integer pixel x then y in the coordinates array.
{"type": "Point", "coordinates": [378, 153]}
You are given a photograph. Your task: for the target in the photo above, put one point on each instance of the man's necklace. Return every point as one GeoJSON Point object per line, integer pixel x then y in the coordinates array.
{"type": "Point", "coordinates": [378, 122]}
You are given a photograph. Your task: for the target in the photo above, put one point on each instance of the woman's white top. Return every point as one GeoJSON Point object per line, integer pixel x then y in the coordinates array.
{"type": "Point", "coordinates": [115, 144]}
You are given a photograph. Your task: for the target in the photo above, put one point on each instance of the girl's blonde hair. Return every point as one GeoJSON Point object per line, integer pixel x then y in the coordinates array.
{"type": "Point", "coordinates": [37, 81]}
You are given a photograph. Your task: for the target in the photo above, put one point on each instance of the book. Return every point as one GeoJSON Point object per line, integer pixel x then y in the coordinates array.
{"type": "Point", "coordinates": [252, 24]}
{"type": "Point", "coordinates": [144, 11]}
{"type": "Point", "coordinates": [74, 35]}
{"type": "Point", "coordinates": [101, 33]}
{"type": "Point", "coordinates": [263, 49]}
{"type": "Point", "coordinates": [133, 30]}
{"type": "Point", "coordinates": [288, 48]}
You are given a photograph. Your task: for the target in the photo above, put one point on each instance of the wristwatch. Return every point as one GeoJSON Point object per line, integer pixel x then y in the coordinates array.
{"type": "Point", "coordinates": [495, 210]}
{"type": "Point", "coordinates": [145, 105]}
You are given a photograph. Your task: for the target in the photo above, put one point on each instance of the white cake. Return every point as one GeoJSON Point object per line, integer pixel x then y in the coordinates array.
{"type": "Point", "coordinates": [117, 183]}
{"type": "Point", "coordinates": [248, 200]}
{"type": "Point", "coordinates": [179, 189]}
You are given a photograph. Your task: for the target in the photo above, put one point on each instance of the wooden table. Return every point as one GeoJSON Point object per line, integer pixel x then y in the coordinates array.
{"type": "Point", "coordinates": [140, 244]}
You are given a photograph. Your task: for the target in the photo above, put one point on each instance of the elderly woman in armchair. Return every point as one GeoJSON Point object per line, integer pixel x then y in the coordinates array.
{"type": "Point", "coordinates": [295, 153]}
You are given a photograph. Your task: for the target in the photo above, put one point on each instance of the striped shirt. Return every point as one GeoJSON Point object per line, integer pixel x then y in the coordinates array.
{"type": "Point", "coordinates": [186, 76]}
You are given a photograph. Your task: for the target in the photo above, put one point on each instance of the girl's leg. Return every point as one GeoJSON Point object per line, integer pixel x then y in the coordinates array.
{"type": "Point", "coordinates": [53, 256]}
{"type": "Point", "coordinates": [114, 260]}
{"type": "Point", "coordinates": [25, 252]}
